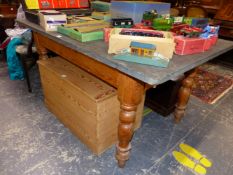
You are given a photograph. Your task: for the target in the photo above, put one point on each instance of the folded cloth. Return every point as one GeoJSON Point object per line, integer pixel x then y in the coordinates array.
{"type": "Point", "coordinates": [14, 65]}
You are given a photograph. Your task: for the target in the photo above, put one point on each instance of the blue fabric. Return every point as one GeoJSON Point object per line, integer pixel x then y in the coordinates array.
{"type": "Point", "coordinates": [15, 68]}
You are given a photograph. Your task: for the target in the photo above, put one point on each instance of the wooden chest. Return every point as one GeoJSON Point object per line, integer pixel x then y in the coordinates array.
{"type": "Point", "coordinates": [83, 103]}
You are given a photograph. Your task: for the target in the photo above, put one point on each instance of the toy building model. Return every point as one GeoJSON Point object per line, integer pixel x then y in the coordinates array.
{"type": "Point", "coordinates": [142, 53]}
{"type": "Point", "coordinates": [142, 49]}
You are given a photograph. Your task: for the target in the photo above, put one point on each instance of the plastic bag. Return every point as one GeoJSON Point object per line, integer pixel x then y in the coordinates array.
{"type": "Point", "coordinates": [20, 14]}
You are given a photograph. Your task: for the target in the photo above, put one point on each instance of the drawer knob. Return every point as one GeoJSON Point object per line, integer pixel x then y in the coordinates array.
{"type": "Point", "coordinates": [63, 76]}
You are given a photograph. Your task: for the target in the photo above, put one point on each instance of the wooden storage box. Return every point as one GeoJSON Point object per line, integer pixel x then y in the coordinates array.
{"type": "Point", "coordinates": [86, 105]}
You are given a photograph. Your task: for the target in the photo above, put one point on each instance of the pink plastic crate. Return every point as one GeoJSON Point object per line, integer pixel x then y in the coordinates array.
{"type": "Point", "coordinates": [186, 46]}
{"type": "Point", "coordinates": [208, 43]}
{"type": "Point", "coordinates": [214, 39]}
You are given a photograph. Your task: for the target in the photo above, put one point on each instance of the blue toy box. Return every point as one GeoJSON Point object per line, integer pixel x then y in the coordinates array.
{"type": "Point", "coordinates": [135, 9]}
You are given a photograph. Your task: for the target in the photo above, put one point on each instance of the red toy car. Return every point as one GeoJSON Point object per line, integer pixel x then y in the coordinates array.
{"type": "Point", "coordinates": [191, 32]}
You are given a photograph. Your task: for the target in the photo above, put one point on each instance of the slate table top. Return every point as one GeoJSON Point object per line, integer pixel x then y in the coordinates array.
{"type": "Point", "coordinates": [97, 50]}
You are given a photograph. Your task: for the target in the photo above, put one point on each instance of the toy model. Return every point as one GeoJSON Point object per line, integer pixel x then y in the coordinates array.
{"type": "Point", "coordinates": [177, 27]}
{"type": "Point", "coordinates": [178, 19]}
{"type": "Point", "coordinates": [197, 22]}
{"type": "Point", "coordinates": [210, 30]}
{"type": "Point", "coordinates": [141, 26]}
{"type": "Point", "coordinates": [142, 49]}
{"type": "Point", "coordinates": [72, 2]}
{"type": "Point", "coordinates": [148, 17]}
{"type": "Point", "coordinates": [162, 23]}
{"type": "Point", "coordinates": [191, 32]}
{"type": "Point", "coordinates": [45, 4]}
{"type": "Point", "coordinates": [142, 53]}
{"type": "Point", "coordinates": [138, 32]}
{"type": "Point", "coordinates": [122, 22]}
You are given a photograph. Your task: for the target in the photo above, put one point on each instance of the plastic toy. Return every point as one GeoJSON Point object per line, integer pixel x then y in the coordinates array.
{"type": "Point", "coordinates": [162, 23]}
{"type": "Point", "coordinates": [191, 32]}
{"type": "Point", "coordinates": [177, 27]}
{"type": "Point", "coordinates": [138, 32]}
{"type": "Point", "coordinates": [178, 19]}
{"type": "Point", "coordinates": [148, 17]}
{"type": "Point", "coordinates": [122, 22]}
{"type": "Point", "coordinates": [142, 49]}
{"type": "Point", "coordinates": [209, 31]}
{"type": "Point", "coordinates": [141, 26]}
{"type": "Point", "coordinates": [196, 22]}
{"type": "Point", "coordinates": [142, 53]}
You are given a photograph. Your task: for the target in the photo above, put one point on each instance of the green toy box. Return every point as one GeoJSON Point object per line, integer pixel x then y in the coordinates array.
{"type": "Point", "coordinates": [83, 37]}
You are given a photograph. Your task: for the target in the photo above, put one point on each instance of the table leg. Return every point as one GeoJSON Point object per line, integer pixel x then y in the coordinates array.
{"type": "Point", "coordinates": [183, 95]}
{"type": "Point", "coordinates": [40, 49]}
{"type": "Point", "coordinates": [130, 92]}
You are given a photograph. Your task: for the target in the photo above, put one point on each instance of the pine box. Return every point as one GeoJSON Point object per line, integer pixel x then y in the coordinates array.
{"type": "Point", "coordinates": [86, 105]}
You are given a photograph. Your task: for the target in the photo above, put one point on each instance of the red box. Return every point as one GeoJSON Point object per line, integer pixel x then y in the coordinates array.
{"type": "Point", "coordinates": [208, 43]}
{"type": "Point", "coordinates": [75, 3]}
{"type": "Point", "coordinates": [57, 4]}
{"type": "Point", "coordinates": [107, 32]}
{"type": "Point", "coordinates": [186, 46]}
{"type": "Point", "coordinates": [46, 4]}
{"type": "Point", "coordinates": [214, 39]}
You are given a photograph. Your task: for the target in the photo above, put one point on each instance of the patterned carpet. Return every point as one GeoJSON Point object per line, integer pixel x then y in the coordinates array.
{"type": "Point", "coordinates": [209, 87]}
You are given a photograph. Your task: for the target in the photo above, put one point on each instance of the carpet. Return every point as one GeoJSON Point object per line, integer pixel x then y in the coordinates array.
{"type": "Point", "coordinates": [209, 87]}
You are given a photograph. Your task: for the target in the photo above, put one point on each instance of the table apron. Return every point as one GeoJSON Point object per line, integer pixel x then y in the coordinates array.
{"type": "Point", "coordinates": [98, 69]}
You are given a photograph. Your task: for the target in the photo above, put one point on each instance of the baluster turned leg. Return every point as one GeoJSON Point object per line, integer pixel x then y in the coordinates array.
{"type": "Point", "coordinates": [183, 96]}
{"type": "Point", "coordinates": [40, 49]}
{"type": "Point", "coordinates": [130, 94]}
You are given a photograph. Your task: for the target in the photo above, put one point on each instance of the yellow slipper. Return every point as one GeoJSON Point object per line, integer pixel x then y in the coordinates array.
{"type": "Point", "coordinates": [192, 152]}
{"type": "Point", "coordinates": [184, 160]}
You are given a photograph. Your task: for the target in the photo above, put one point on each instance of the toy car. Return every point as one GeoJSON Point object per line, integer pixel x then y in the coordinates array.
{"type": "Point", "coordinates": [191, 32]}
{"type": "Point", "coordinates": [148, 17]}
{"type": "Point", "coordinates": [122, 22]}
{"type": "Point", "coordinates": [162, 23]}
{"type": "Point", "coordinates": [141, 32]}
